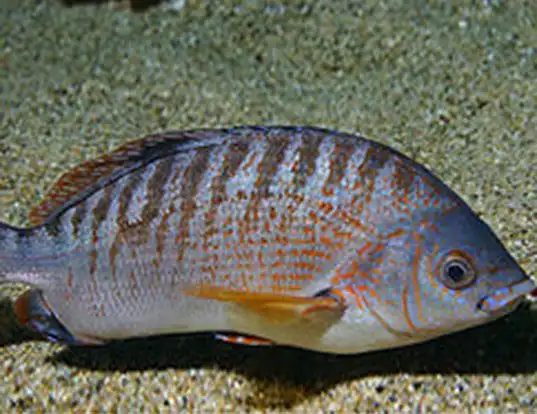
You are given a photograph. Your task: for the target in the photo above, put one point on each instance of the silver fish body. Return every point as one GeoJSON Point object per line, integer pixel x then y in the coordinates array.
{"type": "Point", "coordinates": [301, 236]}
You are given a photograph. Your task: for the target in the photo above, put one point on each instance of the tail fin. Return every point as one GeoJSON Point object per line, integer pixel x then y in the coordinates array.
{"type": "Point", "coordinates": [16, 245]}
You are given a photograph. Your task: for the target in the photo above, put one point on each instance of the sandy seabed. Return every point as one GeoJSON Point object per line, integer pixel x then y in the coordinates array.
{"type": "Point", "coordinates": [453, 86]}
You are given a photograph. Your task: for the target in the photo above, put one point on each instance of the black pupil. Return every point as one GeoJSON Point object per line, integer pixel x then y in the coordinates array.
{"type": "Point", "coordinates": [456, 272]}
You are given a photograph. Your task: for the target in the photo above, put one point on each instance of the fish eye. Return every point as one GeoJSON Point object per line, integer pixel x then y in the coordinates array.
{"type": "Point", "coordinates": [457, 271]}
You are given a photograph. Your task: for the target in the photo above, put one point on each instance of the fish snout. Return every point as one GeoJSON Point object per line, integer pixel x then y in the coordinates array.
{"type": "Point", "coordinates": [506, 298]}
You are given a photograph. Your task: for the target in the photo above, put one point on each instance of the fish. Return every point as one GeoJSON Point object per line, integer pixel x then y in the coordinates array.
{"type": "Point", "coordinates": [292, 236]}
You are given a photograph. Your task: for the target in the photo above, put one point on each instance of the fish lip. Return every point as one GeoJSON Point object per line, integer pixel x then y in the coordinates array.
{"type": "Point", "coordinates": [507, 297]}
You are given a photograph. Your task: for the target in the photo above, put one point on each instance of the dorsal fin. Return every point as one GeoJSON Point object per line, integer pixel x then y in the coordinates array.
{"type": "Point", "coordinates": [96, 173]}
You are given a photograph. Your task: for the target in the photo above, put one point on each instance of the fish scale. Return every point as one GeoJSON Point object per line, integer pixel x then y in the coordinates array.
{"type": "Point", "coordinates": [296, 235]}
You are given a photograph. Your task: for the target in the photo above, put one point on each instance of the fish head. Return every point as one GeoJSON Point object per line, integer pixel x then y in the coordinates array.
{"type": "Point", "coordinates": [460, 275]}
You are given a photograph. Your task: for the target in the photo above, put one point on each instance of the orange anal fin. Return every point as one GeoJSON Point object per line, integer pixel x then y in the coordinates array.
{"type": "Point", "coordinates": [276, 307]}
{"type": "Point", "coordinates": [243, 340]}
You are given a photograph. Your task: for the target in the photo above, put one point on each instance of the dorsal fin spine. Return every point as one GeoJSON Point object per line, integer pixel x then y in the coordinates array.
{"type": "Point", "coordinates": [94, 174]}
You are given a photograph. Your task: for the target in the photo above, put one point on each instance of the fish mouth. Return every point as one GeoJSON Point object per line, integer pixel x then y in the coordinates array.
{"type": "Point", "coordinates": [506, 298]}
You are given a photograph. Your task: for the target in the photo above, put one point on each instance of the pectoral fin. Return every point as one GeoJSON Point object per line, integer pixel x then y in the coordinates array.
{"type": "Point", "coordinates": [277, 307]}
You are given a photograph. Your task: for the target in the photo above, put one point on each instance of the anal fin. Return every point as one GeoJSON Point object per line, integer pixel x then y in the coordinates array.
{"type": "Point", "coordinates": [244, 340]}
